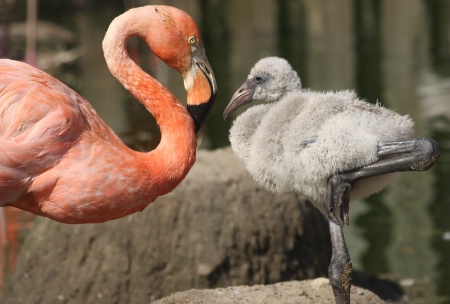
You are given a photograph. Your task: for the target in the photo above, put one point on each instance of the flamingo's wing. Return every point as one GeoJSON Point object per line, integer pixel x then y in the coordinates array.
{"type": "Point", "coordinates": [40, 119]}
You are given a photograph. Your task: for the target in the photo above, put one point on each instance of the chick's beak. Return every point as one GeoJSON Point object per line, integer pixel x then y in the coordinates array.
{"type": "Point", "coordinates": [242, 96]}
{"type": "Point", "coordinates": [201, 86]}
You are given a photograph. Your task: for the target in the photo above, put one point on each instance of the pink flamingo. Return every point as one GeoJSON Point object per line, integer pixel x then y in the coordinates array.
{"type": "Point", "coordinates": [60, 160]}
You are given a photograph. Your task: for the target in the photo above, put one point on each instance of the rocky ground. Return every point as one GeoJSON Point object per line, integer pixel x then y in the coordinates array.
{"type": "Point", "coordinates": [295, 292]}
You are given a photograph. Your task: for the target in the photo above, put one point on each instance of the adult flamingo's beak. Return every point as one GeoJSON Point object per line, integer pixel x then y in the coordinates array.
{"type": "Point", "coordinates": [201, 86]}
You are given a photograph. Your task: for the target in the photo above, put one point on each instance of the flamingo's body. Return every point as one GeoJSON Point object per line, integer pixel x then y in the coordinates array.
{"type": "Point", "coordinates": [59, 159]}
{"type": "Point", "coordinates": [312, 136]}
{"type": "Point", "coordinates": [329, 146]}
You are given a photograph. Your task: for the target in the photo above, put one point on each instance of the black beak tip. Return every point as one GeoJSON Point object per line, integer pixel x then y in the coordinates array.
{"type": "Point", "coordinates": [199, 114]}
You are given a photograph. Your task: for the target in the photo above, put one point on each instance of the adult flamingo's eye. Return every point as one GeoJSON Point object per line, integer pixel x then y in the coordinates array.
{"type": "Point", "coordinates": [192, 40]}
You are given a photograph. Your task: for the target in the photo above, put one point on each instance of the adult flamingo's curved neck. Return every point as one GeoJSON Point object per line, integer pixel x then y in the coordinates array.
{"type": "Point", "coordinates": [175, 154]}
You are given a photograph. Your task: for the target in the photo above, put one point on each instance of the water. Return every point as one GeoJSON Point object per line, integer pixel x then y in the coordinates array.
{"type": "Point", "coordinates": [396, 52]}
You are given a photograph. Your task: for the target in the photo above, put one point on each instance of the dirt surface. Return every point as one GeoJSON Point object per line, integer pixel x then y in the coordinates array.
{"type": "Point", "coordinates": [295, 292]}
{"type": "Point", "coordinates": [217, 229]}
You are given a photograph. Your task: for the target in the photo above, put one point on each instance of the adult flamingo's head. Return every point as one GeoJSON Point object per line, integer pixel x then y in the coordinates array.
{"type": "Point", "coordinates": [180, 45]}
{"type": "Point", "coordinates": [173, 36]}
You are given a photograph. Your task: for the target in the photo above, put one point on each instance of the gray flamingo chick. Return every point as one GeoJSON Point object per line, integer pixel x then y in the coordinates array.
{"type": "Point", "coordinates": [330, 146]}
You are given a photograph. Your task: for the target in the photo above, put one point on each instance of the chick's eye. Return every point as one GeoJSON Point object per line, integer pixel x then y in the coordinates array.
{"type": "Point", "coordinates": [192, 40]}
{"type": "Point", "coordinates": [259, 79]}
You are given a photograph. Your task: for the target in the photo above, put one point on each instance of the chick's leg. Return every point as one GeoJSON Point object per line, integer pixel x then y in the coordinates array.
{"type": "Point", "coordinates": [412, 155]}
